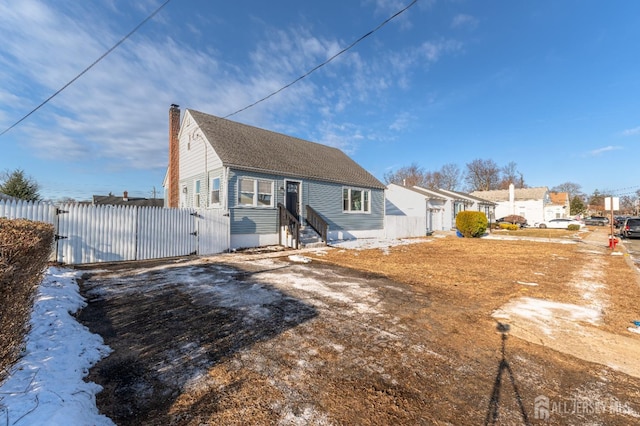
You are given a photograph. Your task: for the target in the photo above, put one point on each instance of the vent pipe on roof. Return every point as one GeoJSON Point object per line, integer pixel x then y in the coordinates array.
{"type": "Point", "coordinates": [512, 198]}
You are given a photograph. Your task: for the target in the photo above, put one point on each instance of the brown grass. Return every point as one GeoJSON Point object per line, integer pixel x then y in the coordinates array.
{"type": "Point", "coordinates": [427, 353]}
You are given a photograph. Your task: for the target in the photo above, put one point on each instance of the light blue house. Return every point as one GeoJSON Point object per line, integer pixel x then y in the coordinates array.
{"type": "Point", "coordinates": [271, 185]}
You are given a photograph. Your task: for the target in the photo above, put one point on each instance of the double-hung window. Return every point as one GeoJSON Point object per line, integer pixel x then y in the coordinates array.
{"type": "Point", "coordinates": [197, 194]}
{"type": "Point", "coordinates": [265, 193]}
{"type": "Point", "coordinates": [215, 191]}
{"type": "Point", "coordinates": [356, 200]}
{"type": "Point", "coordinates": [255, 192]}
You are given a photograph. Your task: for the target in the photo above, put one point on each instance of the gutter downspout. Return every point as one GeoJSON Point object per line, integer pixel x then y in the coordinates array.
{"type": "Point", "coordinates": [225, 178]}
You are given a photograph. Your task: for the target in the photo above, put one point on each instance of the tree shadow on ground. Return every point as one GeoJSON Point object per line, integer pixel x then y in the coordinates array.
{"type": "Point", "coordinates": [167, 327]}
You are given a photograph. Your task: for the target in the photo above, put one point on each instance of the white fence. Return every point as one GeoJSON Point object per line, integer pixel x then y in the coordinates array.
{"type": "Point", "coordinates": [90, 234]}
{"type": "Point", "coordinates": [404, 226]}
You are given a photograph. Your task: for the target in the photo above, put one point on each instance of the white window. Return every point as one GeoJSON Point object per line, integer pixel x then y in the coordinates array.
{"type": "Point", "coordinates": [215, 191]}
{"type": "Point", "coordinates": [197, 194]}
{"type": "Point", "coordinates": [265, 193]}
{"type": "Point", "coordinates": [255, 192]}
{"type": "Point", "coordinates": [356, 200]}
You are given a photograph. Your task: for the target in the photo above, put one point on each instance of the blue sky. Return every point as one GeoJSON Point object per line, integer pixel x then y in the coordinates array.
{"type": "Point", "coordinates": [552, 86]}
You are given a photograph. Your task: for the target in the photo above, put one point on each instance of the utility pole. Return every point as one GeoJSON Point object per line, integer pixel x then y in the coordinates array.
{"type": "Point", "coordinates": [612, 203]}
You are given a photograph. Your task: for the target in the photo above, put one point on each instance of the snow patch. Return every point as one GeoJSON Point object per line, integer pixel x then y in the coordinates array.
{"type": "Point", "coordinates": [547, 314]}
{"type": "Point", "coordinates": [525, 283]}
{"type": "Point", "coordinates": [299, 259]}
{"type": "Point", "coordinates": [46, 386]}
{"type": "Point", "coordinates": [380, 243]}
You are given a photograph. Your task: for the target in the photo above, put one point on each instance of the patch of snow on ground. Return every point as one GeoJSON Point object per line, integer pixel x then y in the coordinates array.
{"type": "Point", "coordinates": [45, 387]}
{"type": "Point", "coordinates": [547, 313]}
{"type": "Point", "coordinates": [372, 243]}
{"type": "Point", "coordinates": [590, 286]}
{"type": "Point", "coordinates": [299, 259]}
{"type": "Point", "coordinates": [360, 298]}
{"type": "Point", "coordinates": [525, 283]}
{"type": "Point", "coordinates": [536, 239]}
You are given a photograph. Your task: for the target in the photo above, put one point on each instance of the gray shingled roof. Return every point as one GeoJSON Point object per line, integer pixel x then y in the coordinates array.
{"type": "Point", "coordinates": [519, 194]}
{"type": "Point", "coordinates": [246, 147]}
{"type": "Point", "coordinates": [431, 195]}
{"type": "Point", "coordinates": [113, 200]}
{"type": "Point", "coordinates": [473, 196]}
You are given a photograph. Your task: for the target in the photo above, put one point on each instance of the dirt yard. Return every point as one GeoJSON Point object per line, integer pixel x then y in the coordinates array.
{"type": "Point", "coordinates": [448, 331]}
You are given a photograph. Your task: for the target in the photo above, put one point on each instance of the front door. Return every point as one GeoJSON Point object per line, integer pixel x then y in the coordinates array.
{"type": "Point", "coordinates": [292, 200]}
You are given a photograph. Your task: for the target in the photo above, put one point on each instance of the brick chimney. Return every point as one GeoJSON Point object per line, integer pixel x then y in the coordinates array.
{"type": "Point", "coordinates": [174, 156]}
{"type": "Point", "coordinates": [125, 196]}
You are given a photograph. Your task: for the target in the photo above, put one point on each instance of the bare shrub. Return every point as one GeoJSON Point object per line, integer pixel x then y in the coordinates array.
{"type": "Point", "coordinates": [25, 247]}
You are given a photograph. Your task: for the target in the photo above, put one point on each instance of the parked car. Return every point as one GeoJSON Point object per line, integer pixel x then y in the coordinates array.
{"type": "Point", "coordinates": [630, 228]}
{"type": "Point", "coordinates": [596, 220]}
{"type": "Point", "coordinates": [513, 219]}
{"type": "Point", "coordinates": [561, 223]}
{"type": "Point", "coordinates": [619, 220]}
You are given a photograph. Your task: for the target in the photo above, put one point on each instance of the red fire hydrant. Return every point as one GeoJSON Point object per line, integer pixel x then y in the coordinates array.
{"type": "Point", "coordinates": [612, 242]}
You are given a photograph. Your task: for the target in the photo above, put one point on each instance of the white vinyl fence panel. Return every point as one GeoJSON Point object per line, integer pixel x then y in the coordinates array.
{"type": "Point", "coordinates": [213, 231]}
{"type": "Point", "coordinates": [405, 226]}
{"type": "Point", "coordinates": [41, 212]}
{"type": "Point", "coordinates": [91, 234]}
{"type": "Point", "coordinates": [166, 233]}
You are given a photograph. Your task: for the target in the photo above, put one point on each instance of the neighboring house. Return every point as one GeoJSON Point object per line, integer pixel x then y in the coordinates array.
{"type": "Point", "coordinates": [415, 202]}
{"type": "Point", "coordinates": [255, 174]}
{"type": "Point", "coordinates": [559, 206]}
{"type": "Point", "coordinates": [463, 201]}
{"type": "Point", "coordinates": [530, 203]}
{"type": "Point", "coordinates": [440, 206]}
{"type": "Point", "coordinates": [125, 200]}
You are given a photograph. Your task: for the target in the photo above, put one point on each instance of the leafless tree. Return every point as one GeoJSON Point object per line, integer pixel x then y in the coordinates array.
{"type": "Point", "coordinates": [482, 175]}
{"type": "Point", "coordinates": [433, 180]}
{"type": "Point", "coordinates": [628, 204]}
{"type": "Point", "coordinates": [509, 174]}
{"type": "Point", "coordinates": [450, 177]}
{"type": "Point", "coordinates": [407, 176]}
{"type": "Point", "coordinates": [573, 189]}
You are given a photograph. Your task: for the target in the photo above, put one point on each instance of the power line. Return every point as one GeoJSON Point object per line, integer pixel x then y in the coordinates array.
{"type": "Point", "coordinates": [122, 40]}
{"type": "Point", "coordinates": [155, 12]}
{"type": "Point", "coordinates": [385, 22]}
{"type": "Point", "coordinates": [624, 191]}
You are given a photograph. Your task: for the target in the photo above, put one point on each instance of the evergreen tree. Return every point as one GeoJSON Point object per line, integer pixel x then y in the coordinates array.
{"type": "Point", "coordinates": [17, 184]}
{"type": "Point", "coordinates": [576, 206]}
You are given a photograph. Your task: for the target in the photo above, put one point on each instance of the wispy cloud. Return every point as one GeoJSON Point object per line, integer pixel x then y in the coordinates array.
{"type": "Point", "coordinates": [631, 132]}
{"type": "Point", "coordinates": [433, 50]}
{"type": "Point", "coordinates": [600, 151]}
{"type": "Point", "coordinates": [117, 113]}
{"type": "Point", "coordinates": [463, 21]}
{"type": "Point", "coordinates": [401, 122]}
